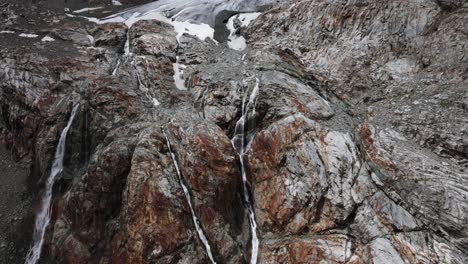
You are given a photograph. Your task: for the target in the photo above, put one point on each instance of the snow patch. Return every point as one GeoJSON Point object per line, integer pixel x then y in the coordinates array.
{"type": "Point", "coordinates": [247, 18]}
{"type": "Point", "coordinates": [235, 41]}
{"type": "Point", "coordinates": [87, 9]}
{"type": "Point", "coordinates": [201, 30]}
{"type": "Point", "coordinates": [47, 39]}
{"type": "Point", "coordinates": [25, 35]}
{"type": "Point", "coordinates": [116, 3]}
{"type": "Point", "coordinates": [156, 102]}
{"type": "Point", "coordinates": [7, 32]}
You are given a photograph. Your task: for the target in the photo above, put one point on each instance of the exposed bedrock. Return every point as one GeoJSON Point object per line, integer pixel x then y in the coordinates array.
{"type": "Point", "coordinates": [354, 119]}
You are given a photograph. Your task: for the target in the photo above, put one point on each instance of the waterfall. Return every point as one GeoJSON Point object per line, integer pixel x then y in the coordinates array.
{"type": "Point", "coordinates": [43, 217]}
{"type": "Point", "coordinates": [178, 74]}
{"type": "Point", "coordinates": [143, 88]}
{"type": "Point", "coordinates": [116, 67]}
{"type": "Point", "coordinates": [200, 232]}
{"type": "Point", "coordinates": [238, 142]}
{"type": "Point", "coordinates": [127, 44]}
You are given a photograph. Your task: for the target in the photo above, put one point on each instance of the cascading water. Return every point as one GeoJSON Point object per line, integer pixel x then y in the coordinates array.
{"type": "Point", "coordinates": [200, 232]}
{"type": "Point", "coordinates": [238, 142]}
{"type": "Point", "coordinates": [127, 44]}
{"type": "Point", "coordinates": [43, 217]}
{"type": "Point", "coordinates": [144, 88]}
{"type": "Point", "coordinates": [114, 71]}
{"type": "Point", "coordinates": [191, 17]}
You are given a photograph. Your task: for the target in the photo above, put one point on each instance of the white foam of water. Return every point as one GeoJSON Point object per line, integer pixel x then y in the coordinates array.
{"type": "Point", "coordinates": [200, 232]}
{"type": "Point", "coordinates": [144, 89]}
{"type": "Point", "coordinates": [127, 44]}
{"type": "Point", "coordinates": [238, 142]}
{"type": "Point", "coordinates": [116, 67]}
{"type": "Point", "coordinates": [87, 9]}
{"type": "Point", "coordinates": [47, 39]}
{"type": "Point", "coordinates": [43, 217]}
{"type": "Point", "coordinates": [91, 39]}
{"type": "Point", "coordinates": [254, 94]}
{"type": "Point", "coordinates": [25, 35]}
{"type": "Point", "coordinates": [253, 223]}
{"type": "Point", "coordinates": [178, 75]}
{"type": "Point", "coordinates": [129, 22]}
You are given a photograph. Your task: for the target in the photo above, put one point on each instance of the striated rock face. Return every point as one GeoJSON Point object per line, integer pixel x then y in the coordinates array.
{"type": "Point", "coordinates": [134, 208]}
{"type": "Point", "coordinates": [353, 116]}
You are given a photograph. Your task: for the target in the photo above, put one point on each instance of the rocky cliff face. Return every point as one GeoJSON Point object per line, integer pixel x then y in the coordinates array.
{"type": "Point", "coordinates": [354, 134]}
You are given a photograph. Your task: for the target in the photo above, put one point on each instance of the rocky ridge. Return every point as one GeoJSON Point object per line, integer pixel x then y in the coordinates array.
{"type": "Point", "coordinates": [356, 146]}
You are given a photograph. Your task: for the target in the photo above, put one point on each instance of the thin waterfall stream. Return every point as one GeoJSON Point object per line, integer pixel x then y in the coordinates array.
{"type": "Point", "coordinates": [43, 217]}
{"type": "Point", "coordinates": [238, 142]}
{"type": "Point", "coordinates": [114, 71]}
{"type": "Point", "coordinates": [198, 227]}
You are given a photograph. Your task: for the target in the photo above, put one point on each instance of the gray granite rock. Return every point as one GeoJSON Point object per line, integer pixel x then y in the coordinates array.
{"type": "Point", "coordinates": [355, 119]}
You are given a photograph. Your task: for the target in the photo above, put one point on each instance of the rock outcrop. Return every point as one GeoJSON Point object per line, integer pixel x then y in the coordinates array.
{"type": "Point", "coordinates": [355, 122]}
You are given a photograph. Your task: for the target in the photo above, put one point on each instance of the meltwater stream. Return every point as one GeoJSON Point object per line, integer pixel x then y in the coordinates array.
{"type": "Point", "coordinates": [238, 142]}
{"type": "Point", "coordinates": [43, 217]}
{"type": "Point", "coordinates": [200, 232]}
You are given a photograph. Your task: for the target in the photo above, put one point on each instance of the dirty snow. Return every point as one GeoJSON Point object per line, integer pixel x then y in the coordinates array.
{"type": "Point", "coordinates": [202, 31]}
{"type": "Point", "coordinates": [235, 41]}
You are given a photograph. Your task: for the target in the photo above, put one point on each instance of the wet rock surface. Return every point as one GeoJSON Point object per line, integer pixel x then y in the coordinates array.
{"type": "Point", "coordinates": [355, 122]}
{"type": "Point", "coordinates": [16, 207]}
